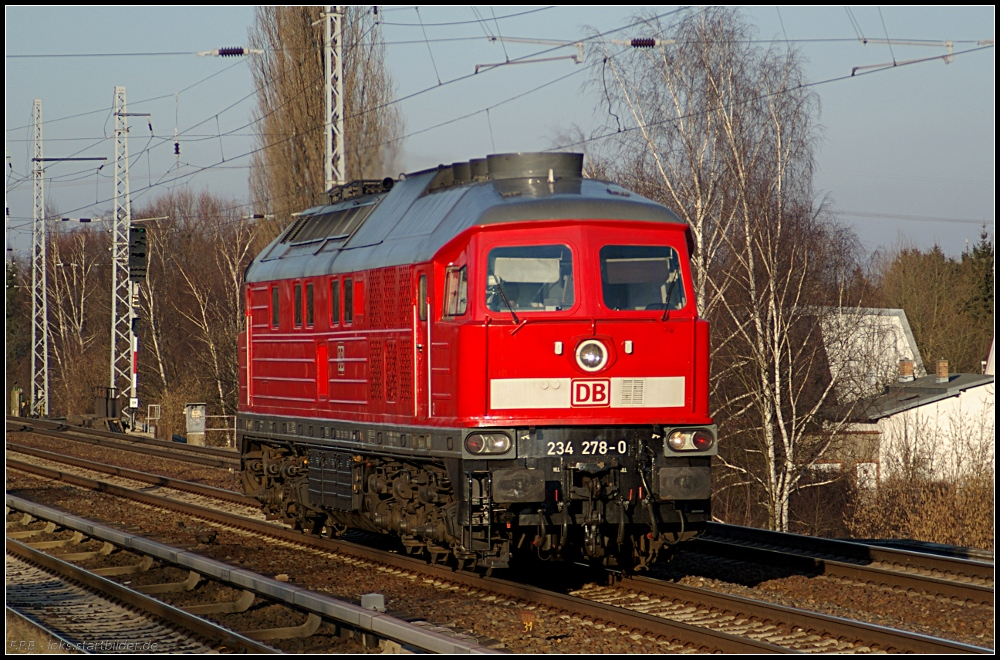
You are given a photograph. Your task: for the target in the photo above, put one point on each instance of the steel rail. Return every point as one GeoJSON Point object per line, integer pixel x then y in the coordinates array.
{"type": "Point", "coordinates": [842, 559]}
{"type": "Point", "coordinates": [890, 640]}
{"type": "Point", "coordinates": [155, 608]}
{"type": "Point", "coordinates": [145, 477]}
{"type": "Point", "coordinates": [33, 422]}
{"type": "Point", "coordinates": [60, 424]}
{"type": "Point", "coordinates": [881, 577]}
{"type": "Point", "coordinates": [858, 551]}
{"type": "Point", "coordinates": [926, 547]}
{"type": "Point", "coordinates": [213, 457]}
{"type": "Point", "coordinates": [701, 637]}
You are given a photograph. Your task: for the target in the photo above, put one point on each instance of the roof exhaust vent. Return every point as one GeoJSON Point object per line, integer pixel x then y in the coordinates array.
{"type": "Point", "coordinates": [445, 177]}
{"type": "Point", "coordinates": [463, 172]}
{"type": "Point", "coordinates": [906, 371]}
{"type": "Point", "coordinates": [480, 171]}
{"type": "Point", "coordinates": [941, 371]}
{"type": "Point", "coordinates": [535, 166]}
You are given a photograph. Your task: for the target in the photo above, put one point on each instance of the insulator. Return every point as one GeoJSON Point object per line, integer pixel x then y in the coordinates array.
{"type": "Point", "coordinates": [643, 43]}
{"type": "Point", "coordinates": [177, 148]}
{"type": "Point", "coordinates": [232, 51]}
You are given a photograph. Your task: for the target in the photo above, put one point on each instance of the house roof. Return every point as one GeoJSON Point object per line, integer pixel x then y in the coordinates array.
{"type": "Point", "coordinates": [919, 392]}
{"type": "Point", "coordinates": [871, 342]}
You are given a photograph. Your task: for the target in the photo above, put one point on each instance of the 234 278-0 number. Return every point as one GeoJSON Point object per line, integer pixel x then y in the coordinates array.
{"type": "Point", "coordinates": [590, 448]}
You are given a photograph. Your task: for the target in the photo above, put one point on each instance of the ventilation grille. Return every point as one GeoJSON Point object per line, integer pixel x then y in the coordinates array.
{"type": "Point", "coordinates": [406, 369]}
{"type": "Point", "coordinates": [390, 299]}
{"type": "Point", "coordinates": [375, 367]}
{"type": "Point", "coordinates": [389, 306]}
{"type": "Point", "coordinates": [632, 391]}
{"type": "Point", "coordinates": [391, 377]}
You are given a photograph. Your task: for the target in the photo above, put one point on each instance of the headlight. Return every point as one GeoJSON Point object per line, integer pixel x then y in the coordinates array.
{"type": "Point", "coordinates": [690, 440]}
{"type": "Point", "coordinates": [591, 355]}
{"type": "Point", "coordinates": [487, 443]}
{"type": "Point", "coordinates": [677, 440]}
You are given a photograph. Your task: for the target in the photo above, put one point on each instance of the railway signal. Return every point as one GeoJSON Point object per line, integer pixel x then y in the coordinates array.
{"type": "Point", "coordinates": [137, 253]}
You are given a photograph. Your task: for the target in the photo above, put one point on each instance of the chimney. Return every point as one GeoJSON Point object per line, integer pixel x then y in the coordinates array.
{"type": "Point", "coordinates": [905, 371]}
{"type": "Point", "coordinates": [941, 370]}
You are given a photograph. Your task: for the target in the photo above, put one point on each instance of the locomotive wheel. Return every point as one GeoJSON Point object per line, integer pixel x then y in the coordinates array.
{"type": "Point", "coordinates": [311, 526]}
{"type": "Point", "coordinates": [288, 515]}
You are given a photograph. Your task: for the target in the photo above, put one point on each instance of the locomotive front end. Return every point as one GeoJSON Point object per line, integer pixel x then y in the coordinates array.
{"type": "Point", "coordinates": [596, 370]}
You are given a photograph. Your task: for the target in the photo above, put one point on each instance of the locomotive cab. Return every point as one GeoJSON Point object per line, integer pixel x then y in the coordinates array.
{"type": "Point", "coordinates": [499, 358]}
{"type": "Point", "coordinates": [588, 431]}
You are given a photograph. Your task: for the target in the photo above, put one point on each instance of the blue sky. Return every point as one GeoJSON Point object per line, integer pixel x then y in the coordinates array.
{"type": "Point", "coordinates": [914, 141]}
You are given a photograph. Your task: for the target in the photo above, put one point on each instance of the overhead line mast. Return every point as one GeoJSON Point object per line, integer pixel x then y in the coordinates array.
{"type": "Point", "coordinates": [39, 284]}
{"type": "Point", "coordinates": [126, 270]}
{"type": "Point", "coordinates": [335, 163]}
{"type": "Point", "coordinates": [39, 278]}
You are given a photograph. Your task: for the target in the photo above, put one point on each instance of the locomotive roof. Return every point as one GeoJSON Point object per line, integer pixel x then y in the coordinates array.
{"type": "Point", "coordinates": [422, 212]}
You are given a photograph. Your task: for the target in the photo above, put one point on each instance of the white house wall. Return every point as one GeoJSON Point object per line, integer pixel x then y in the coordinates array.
{"type": "Point", "coordinates": [864, 347]}
{"type": "Point", "coordinates": [948, 439]}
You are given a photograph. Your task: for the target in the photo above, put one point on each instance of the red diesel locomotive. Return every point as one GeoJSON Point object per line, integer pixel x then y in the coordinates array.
{"type": "Point", "coordinates": [486, 359]}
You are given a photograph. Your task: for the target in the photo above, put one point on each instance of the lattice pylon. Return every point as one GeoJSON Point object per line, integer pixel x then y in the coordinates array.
{"type": "Point", "coordinates": [335, 164]}
{"type": "Point", "coordinates": [121, 331]}
{"type": "Point", "coordinates": [39, 281]}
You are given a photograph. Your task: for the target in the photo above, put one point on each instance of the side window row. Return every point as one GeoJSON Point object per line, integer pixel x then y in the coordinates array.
{"type": "Point", "coordinates": [298, 302]}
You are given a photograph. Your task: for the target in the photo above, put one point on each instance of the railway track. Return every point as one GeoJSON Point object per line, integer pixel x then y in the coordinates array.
{"type": "Point", "coordinates": [89, 613]}
{"type": "Point", "coordinates": [963, 580]}
{"type": "Point", "coordinates": [135, 475]}
{"type": "Point", "coordinates": [209, 456]}
{"type": "Point", "coordinates": [690, 618]}
{"type": "Point", "coordinates": [156, 561]}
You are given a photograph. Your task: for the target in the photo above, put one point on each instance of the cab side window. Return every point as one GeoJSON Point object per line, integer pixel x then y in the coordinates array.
{"type": "Point", "coordinates": [348, 301]}
{"type": "Point", "coordinates": [298, 304]}
{"type": "Point", "coordinates": [335, 302]}
{"type": "Point", "coordinates": [422, 298]}
{"type": "Point", "coordinates": [275, 315]}
{"type": "Point", "coordinates": [309, 305]}
{"type": "Point", "coordinates": [456, 292]}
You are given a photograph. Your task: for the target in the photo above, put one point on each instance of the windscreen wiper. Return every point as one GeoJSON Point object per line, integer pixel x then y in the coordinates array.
{"type": "Point", "coordinates": [666, 305]}
{"type": "Point", "coordinates": [503, 297]}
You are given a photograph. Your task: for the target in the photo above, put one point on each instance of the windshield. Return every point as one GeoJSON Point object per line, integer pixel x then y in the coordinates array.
{"type": "Point", "coordinates": [635, 277]}
{"type": "Point", "coordinates": [535, 278]}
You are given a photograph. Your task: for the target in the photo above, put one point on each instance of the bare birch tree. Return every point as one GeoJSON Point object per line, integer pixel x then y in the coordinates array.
{"type": "Point", "coordinates": [17, 325]}
{"type": "Point", "coordinates": [287, 172]}
{"type": "Point", "coordinates": [74, 273]}
{"type": "Point", "coordinates": [677, 99]}
{"type": "Point", "coordinates": [163, 331]}
{"type": "Point", "coordinates": [213, 247]}
{"type": "Point", "coordinates": [151, 298]}
{"type": "Point", "coordinates": [723, 132]}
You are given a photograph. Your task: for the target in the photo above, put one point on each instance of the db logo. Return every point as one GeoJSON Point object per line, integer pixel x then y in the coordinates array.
{"type": "Point", "coordinates": [591, 392]}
